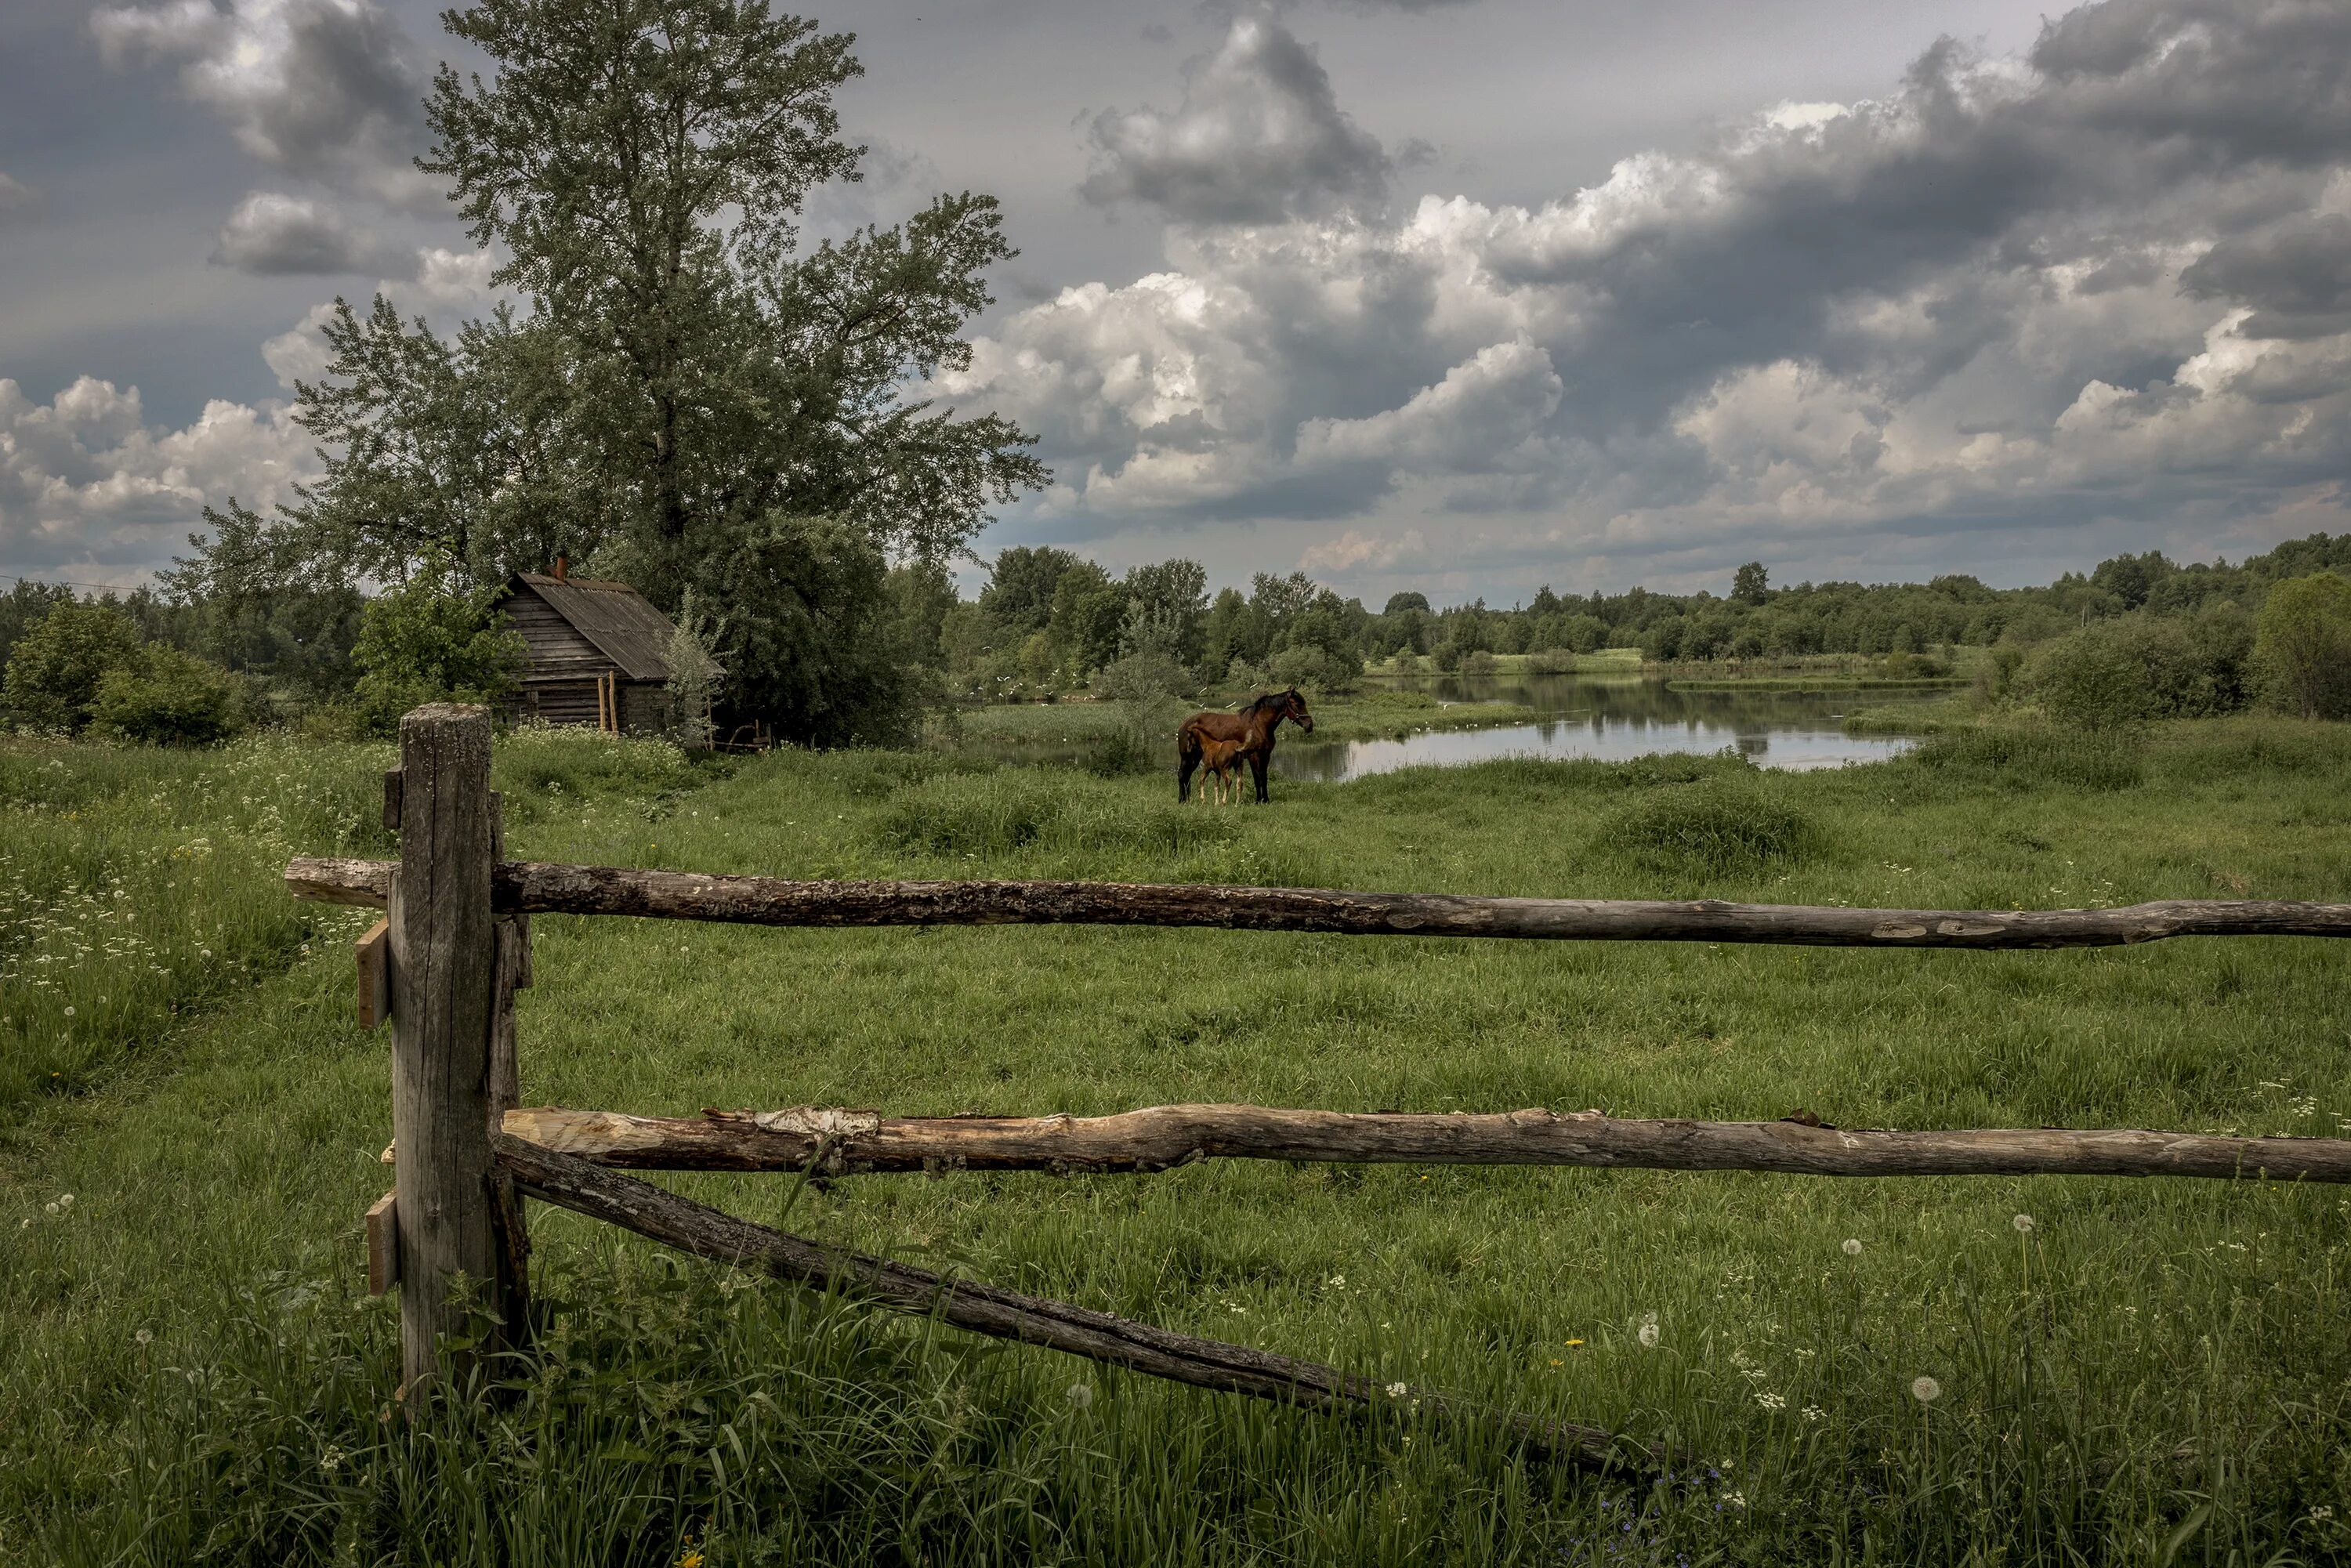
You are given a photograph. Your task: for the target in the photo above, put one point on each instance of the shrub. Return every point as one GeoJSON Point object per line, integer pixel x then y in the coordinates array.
{"type": "Point", "coordinates": [1145, 687]}
{"type": "Point", "coordinates": [56, 669]}
{"type": "Point", "coordinates": [2135, 669]}
{"type": "Point", "coordinates": [2303, 645]}
{"type": "Point", "coordinates": [1715, 826]}
{"type": "Point", "coordinates": [430, 640]}
{"type": "Point", "coordinates": [1316, 670]}
{"type": "Point", "coordinates": [166, 698]}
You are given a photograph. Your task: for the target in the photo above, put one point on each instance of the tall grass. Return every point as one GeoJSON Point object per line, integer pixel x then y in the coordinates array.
{"type": "Point", "coordinates": [2155, 1371]}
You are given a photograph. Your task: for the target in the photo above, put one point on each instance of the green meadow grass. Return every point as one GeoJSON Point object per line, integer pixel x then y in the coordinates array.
{"type": "Point", "coordinates": [2154, 1372]}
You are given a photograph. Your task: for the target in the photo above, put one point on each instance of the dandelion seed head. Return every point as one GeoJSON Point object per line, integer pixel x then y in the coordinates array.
{"type": "Point", "coordinates": [1926, 1390]}
{"type": "Point", "coordinates": [1853, 1246]}
{"type": "Point", "coordinates": [1649, 1336]}
{"type": "Point", "coordinates": [1080, 1395]}
{"type": "Point", "coordinates": [2024, 1223]}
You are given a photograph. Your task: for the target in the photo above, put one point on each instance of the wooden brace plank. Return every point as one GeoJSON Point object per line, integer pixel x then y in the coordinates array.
{"type": "Point", "coordinates": [382, 1245]}
{"type": "Point", "coordinates": [373, 954]}
{"type": "Point", "coordinates": [679, 1222]}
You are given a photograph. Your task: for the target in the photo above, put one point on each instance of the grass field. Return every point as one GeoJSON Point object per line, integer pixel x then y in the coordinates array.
{"type": "Point", "coordinates": [2155, 1372]}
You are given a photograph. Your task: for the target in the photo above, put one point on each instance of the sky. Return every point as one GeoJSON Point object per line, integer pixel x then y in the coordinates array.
{"type": "Point", "coordinates": [1462, 296]}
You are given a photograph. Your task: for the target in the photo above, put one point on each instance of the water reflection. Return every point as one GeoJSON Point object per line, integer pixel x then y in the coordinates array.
{"type": "Point", "coordinates": [1610, 717]}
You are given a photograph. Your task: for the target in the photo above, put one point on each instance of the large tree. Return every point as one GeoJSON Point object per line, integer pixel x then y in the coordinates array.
{"type": "Point", "coordinates": [690, 395]}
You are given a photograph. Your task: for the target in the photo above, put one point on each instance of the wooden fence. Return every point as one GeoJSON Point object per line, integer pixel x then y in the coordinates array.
{"type": "Point", "coordinates": [454, 947]}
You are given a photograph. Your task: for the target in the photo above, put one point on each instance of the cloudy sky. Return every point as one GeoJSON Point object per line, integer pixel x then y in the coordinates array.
{"type": "Point", "coordinates": [1460, 294]}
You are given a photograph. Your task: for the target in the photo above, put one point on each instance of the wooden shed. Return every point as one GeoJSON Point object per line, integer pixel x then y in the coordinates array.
{"type": "Point", "coordinates": [599, 652]}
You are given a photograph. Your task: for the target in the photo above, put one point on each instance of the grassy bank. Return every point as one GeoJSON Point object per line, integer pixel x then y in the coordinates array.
{"type": "Point", "coordinates": [188, 1371]}
{"type": "Point", "coordinates": [1073, 729]}
{"type": "Point", "coordinates": [1820, 684]}
{"type": "Point", "coordinates": [1959, 709]}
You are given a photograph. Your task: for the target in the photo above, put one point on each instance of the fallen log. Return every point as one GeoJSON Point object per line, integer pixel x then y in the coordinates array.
{"type": "Point", "coordinates": [534, 887]}
{"type": "Point", "coordinates": [649, 1211]}
{"type": "Point", "coordinates": [1164, 1136]}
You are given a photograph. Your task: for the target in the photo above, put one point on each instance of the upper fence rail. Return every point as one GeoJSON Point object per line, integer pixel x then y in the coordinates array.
{"type": "Point", "coordinates": [532, 887]}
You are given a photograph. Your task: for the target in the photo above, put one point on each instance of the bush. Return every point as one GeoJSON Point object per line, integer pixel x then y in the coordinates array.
{"type": "Point", "coordinates": [1715, 826]}
{"type": "Point", "coordinates": [1145, 687]}
{"type": "Point", "coordinates": [2304, 645]}
{"type": "Point", "coordinates": [2136, 669]}
{"type": "Point", "coordinates": [166, 698]}
{"type": "Point", "coordinates": [56, 669]}
{"type": "Point", "coordinates": [1312, 670]}
{"type": "Point", "coordinates": [428, 640]}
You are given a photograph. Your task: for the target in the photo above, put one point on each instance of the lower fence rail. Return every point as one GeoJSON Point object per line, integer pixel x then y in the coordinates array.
{"type": "Point", "coordinates": [569, 1182]}
{"type": "Point", "coordinates": [838, 1142]}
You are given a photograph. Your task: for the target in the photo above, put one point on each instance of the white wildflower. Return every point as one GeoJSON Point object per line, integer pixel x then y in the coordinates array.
{"type": "Point", "coordinates": [1080, 1395]}
{"type": "Point", "coordinates": [1772, 1400]}
{"type": "Point", "coordinates": [1853, 1246]}
{"type": "Point", "coordinates": [145, 1336]}
{"type": "Point", "coordinates": [1397, 1391]}
{"type": "Point", "coordinates": [1649, 1335]}
{"type": "Point", "coordinates": [1926, 1390]}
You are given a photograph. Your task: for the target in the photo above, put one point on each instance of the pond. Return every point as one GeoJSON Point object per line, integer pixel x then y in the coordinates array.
{"type": "Point", "coordinates": [1612, 717]}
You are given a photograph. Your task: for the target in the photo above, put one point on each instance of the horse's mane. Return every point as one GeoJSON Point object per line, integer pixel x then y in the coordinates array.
{"type": "Point", "coordinates": [1261, 703]}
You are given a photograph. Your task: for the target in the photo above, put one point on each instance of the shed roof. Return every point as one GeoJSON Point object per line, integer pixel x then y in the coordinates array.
{"type": "Point", "coordinates": [614, 616]}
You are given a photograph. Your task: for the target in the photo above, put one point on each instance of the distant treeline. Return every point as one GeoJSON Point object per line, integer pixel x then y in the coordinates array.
{"type": "Point", "coordinates": [1047, 619]}
{"type": "Point", "coordinates": [1050, 622]}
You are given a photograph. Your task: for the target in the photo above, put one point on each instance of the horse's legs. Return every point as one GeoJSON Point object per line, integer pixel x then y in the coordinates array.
{"type": "Point", "coordinates": [1257, 765]}
{"type": "Point", "coordinates": [1187, 759]}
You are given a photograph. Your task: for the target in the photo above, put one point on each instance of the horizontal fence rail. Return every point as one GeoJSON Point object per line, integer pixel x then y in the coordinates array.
{"type": "Point", "coordinates": [584, 1188]}
{"type": "Point", "coordinates": [519, 887]}
{"type": "Point", "coordinates": [1165, 1136]}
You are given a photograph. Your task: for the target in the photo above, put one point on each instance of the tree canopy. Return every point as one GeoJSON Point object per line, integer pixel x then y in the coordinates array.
{"type": "Point", "coordinates": [686, 396]}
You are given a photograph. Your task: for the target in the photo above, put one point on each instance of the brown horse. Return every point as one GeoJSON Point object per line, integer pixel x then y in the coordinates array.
{"type": "Point", "coordinates": [1249, 733]}
{"type": "Point", "coordinates": [1221, 759]}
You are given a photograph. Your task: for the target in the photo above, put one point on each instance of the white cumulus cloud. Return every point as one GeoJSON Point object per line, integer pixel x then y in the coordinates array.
{"type": "Point", "coordinates": [90, 491]}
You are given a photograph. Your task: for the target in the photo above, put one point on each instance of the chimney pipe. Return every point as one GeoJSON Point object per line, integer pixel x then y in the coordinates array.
{"type": "Point", "coordinates": [558, 569]}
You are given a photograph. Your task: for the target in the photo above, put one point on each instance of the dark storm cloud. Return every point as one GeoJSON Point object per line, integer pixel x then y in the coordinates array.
{"type": "Point", "coordinates": [1258, 137]}
{"type": "Point", "coordinates": [2009, 285]}
{"type": "Point", "coordinates": [329, 89]}
{"type": "Point", "coordinates": [2295, 275]}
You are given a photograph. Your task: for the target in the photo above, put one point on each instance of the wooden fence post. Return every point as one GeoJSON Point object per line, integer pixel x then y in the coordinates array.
{"type": "Point", "coordinates": [443, 974]}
